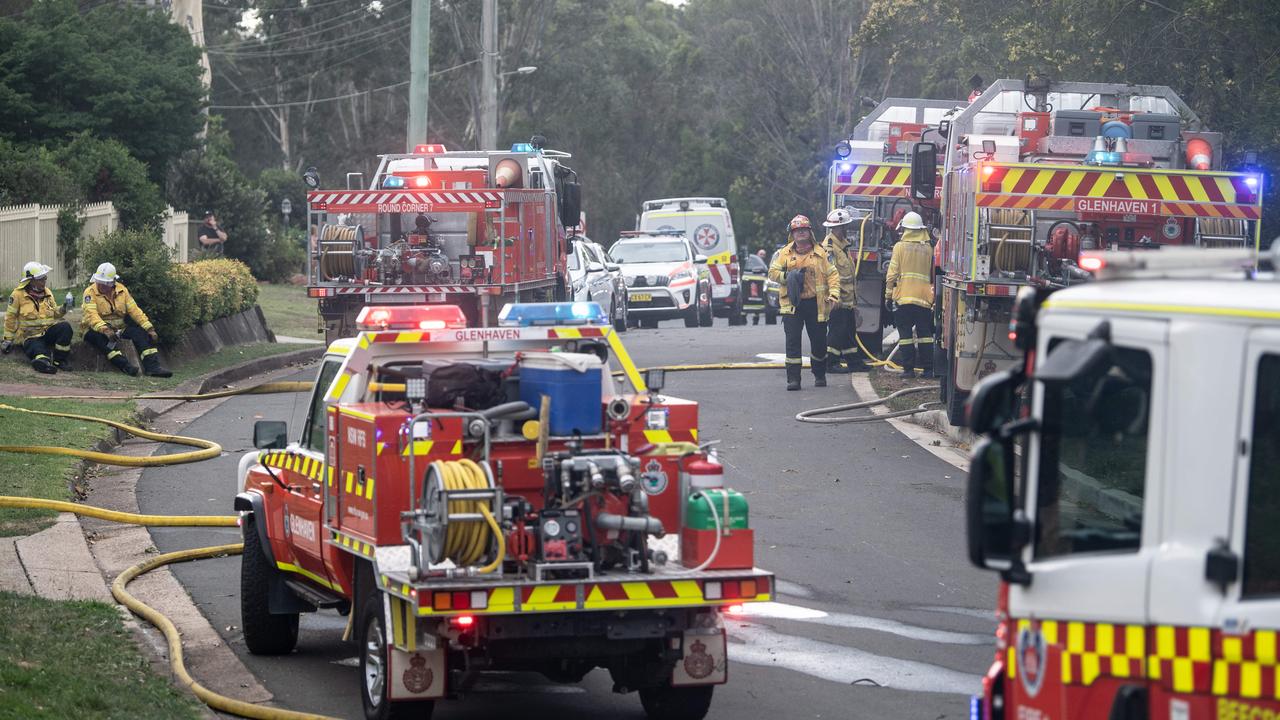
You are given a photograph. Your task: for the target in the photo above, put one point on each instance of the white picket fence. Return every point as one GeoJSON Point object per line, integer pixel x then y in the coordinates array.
{"type": "Point", "coordinates": [30, 232]}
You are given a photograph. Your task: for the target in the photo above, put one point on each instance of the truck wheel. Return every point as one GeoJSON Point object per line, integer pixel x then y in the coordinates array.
{"type": "Point", "coordinates": [374, 666]}
{"type": "Point", "coordinates": [264, 633]}
{"type": "Point", "coordinates": [677, 703]}
{"type": "Point", "coordinates": [952, 396]}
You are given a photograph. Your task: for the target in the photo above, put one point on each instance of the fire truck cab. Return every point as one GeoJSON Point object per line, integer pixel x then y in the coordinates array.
{"type": "Point", "coordinates": [871, 175]}
{"type": "Point", "coordinates": [1126, 486]}
{"type": "Point", "coordinates": [1038, 171]}
{"type": "Point", "coordinates": [512, 498]}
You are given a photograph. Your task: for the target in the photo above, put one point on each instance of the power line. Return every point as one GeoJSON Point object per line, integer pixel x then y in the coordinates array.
{"type": "Point", "coordinates": [318, 28]}
{"type": "Point", "coordinates": [308, 6]}
{"type": "Point", "coordinates": [344, 41]}
{"type": "Point", "coordinates": [296, 103]}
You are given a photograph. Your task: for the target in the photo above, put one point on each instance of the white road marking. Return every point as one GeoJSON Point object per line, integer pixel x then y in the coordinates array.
{"type": "Point", "coordinates": [970, 612]}
{"type": "Point", "coordinates": [845, 665]}
{"type": "Point", "coordinates": [791, 589]}
{"type": "Point", "coordinates": [784, 611]}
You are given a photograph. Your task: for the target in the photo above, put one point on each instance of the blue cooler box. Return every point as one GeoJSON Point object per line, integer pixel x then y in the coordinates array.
{"type": "Point", "coordinates": [573, 382]}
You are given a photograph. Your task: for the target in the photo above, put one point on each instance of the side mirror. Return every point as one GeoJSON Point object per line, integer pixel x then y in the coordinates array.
{"type": "Point", "coordinates": [989, 505]}
{"type": "Point", "coordinates": [570, 204]}
{"type": "Point", "coordinates": [612, 267]}
{"type": "Point", "coordinates": [700, 259]}
{"type": "Point", "coordinates": [594, 267]}
{"type": "Point", "coordinates": [270, 434]}
{"type": "Point", "coordinates": [924, 170]}
{"type": "Point", "coordinates": [991, 404]}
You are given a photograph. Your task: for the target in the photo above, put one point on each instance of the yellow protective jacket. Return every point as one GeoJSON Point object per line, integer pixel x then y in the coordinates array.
{"type": "Point", "coordinates": [101, 311]}
{"type": "Point", "coordinates": [838, 253]}
{"type": "Point", "coordinates": [29, 316]}
{"type": "Point", "coordinates": [909, 280]}
{"type": "Point", "coordinates": [822, 281]}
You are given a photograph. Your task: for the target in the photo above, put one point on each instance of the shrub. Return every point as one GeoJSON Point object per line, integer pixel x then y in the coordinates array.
{"type": "Point", "coordinates": [284, 255]}
{"type": "Point", "coordinates": [223, 288]}
{"type": "Point", "coordinates": [146, 267]}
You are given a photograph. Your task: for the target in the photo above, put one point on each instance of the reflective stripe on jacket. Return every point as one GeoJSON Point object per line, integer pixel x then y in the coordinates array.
{"type": "Point", "coordinates": [101, 311]}
{"type": "Point", "coordinates": [823, 278]}
{"type": "Point", "coordinates": [28, 317]}
{"type": "Point", "coordinates": [909, 280]}
{"type": "Point", "coordinates": [838, 253]}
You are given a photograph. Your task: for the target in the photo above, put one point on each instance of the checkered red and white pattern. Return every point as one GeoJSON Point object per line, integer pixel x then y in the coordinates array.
{"type": "Point", "coordinates": [403, 200]}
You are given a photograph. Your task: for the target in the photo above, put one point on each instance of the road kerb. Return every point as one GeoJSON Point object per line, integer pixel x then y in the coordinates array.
{"type": "Point", "coordinates": [939, 445]}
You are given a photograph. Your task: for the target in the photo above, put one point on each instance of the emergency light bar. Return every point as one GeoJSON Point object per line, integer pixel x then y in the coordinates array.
{"type": "Point", "coordinates": [1170, 262]}
{"type": "Point", "coordinates": [562, 313]}
{"type": "Point", "coordinates": [411, 317]}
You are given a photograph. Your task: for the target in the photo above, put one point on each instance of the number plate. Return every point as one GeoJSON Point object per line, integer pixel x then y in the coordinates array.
{"type": "Point", "coordinates": [641, 297]}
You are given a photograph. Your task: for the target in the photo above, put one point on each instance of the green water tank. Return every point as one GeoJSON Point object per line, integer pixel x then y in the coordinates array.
{"type": "Point", "coordinates": [697, 515]}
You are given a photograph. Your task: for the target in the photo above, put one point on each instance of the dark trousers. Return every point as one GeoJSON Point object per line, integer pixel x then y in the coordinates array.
{"type": "Point", "coordinates": [54, 344]}
{"type": "Point", "coordinates": [805, 319]}
{"type": "Point", "coordinates": [840, 328]}
{"type": "Point", "coordinates": [131, 332]}
{"type": "Point", "coordinates": [915, 336]}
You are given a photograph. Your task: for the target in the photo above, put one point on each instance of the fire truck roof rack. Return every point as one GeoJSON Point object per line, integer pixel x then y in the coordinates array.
{"type": "Point", "coordinates": [862, 130]}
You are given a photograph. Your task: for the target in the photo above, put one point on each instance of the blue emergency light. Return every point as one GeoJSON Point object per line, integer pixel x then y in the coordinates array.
{"type": "Point", "coordinates": [522, 147]}
{"type": "Point", "coordinates": [561, 313]}
{"type": "Point", "coordinates": [393, 181]}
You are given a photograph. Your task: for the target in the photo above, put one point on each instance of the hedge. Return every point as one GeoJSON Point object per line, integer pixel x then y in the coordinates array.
{"type": "Point", "coordinates": [222, 288]}
{"type": "Point", "coordinates": [145, 265]}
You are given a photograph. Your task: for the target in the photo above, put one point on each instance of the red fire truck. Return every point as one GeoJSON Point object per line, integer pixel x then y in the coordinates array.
{"type": "Point", "coordinates": [474, 229]}
{"type": "Point", "coordinates": [1037, 171]}
{"type": "Point", "coordinates": [871, 175]}
{"type": "Point", "coordinates": [511, 498]}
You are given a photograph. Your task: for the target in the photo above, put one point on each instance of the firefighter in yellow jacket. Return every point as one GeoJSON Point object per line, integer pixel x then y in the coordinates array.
{"type": "Point", "coordinates": [909, 284]}
{"type": "Point", "coordinates": [842, 347]}
{"type": "Point", "coordinates": [33, 321]}
{"type": "Point", "coordinates": [110, 315]}
{"type": "Point", "coordinates": [809, 286]}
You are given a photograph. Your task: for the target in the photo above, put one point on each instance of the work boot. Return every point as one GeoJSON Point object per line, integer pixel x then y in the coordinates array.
{"type": "Point", "coordinates": [63, 364]}
{"type": "Point", "coordinates": [819, 375]}
{"type": "Point", "coordinates": [151, 366]}
{"type": "Point", "coordinates": [836, 365]}
{"type": "Point", "coordinates": [122, 364]}
{"type": "Point", "coordinates": [793, 377]}
{"type": "Point", "coordinates": [42, 365]}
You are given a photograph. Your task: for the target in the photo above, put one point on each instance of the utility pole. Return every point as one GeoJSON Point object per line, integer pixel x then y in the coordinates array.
{"type": "Point", "coordinates": [419, 72]}
{"type": "Point", "coordinates": [489, 75]}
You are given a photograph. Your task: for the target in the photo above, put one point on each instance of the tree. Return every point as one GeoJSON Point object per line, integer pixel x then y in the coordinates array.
{"type": "Point", "coordinates": [60, 77]}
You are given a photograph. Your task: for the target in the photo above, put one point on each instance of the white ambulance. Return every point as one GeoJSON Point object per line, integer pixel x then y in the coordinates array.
{"type": "Point", "coordinates": [1135, 526]}
{"type": "Point", "coordinates": [705, 221]}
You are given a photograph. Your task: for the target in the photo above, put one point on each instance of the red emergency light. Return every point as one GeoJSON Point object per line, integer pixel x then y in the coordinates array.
{"type": "Point", "coordinates": [428, 149]}
{"type": "Point", "coordinates": [1092, 263]}
{"type": "Point", "coordinates": [411, 317]}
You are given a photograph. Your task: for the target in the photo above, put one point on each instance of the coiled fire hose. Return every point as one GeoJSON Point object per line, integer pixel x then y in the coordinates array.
{"type": "Point", "coordinates": [466, 542]}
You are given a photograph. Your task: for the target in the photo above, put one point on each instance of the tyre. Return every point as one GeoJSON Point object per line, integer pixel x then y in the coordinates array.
{"type": "Point", "coordinates": [677, 703]}
{"type": "Point", "coordinates": [692, 314]}
{"type": "Point", "coordinates": [770, 317]}
{"type": "Point", "coordinates": [706, 315]}
{"type": "Point", "coordinates": [264, 633]}
{"type": "Point", "coordinates": [374, 664]}
{"type": "Point", "coordinates": [736, 316]}
{"type": "Point", "coordinates": [620, 318]}
{"type": "Point", "coordinates": [952, 397]}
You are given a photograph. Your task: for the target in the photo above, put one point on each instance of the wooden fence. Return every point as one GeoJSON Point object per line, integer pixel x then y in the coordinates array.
{"type": "Point", "coordinates": [30, 232]}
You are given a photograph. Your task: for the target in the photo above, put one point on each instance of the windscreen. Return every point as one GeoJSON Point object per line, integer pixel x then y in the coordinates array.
{"type": "Point", "coordinates": [631, 251]}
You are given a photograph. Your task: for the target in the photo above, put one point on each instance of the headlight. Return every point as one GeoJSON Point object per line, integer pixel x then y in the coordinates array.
{"type": "Point", "coordinates": [682, 275]}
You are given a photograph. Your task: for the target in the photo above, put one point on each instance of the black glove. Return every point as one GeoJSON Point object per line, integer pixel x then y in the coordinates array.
{"type": "Point", "coordinates": [795, 284]}
{"type": "Point", "coordinates": [6, 347]}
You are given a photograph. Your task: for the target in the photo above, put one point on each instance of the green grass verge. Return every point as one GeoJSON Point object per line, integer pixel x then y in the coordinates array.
{"type": "Point", "coordinates": [47, 476]}
{"type": "Point", "coordinates": [76, 659]}
{"type": "Point", "coordinates": [289, 311]}
{"type": "Point", "coordinates": [14, 371]}
{"type": "Point", "coordinates": [886, 383]}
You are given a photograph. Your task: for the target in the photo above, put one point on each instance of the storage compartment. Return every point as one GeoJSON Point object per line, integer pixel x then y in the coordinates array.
{"type": "Point", "coordinates": [1155, 126]}
{"type": "Point", "coordinates": [1077, 123]}
{"type": "Point", "coordinates": [573, 382]}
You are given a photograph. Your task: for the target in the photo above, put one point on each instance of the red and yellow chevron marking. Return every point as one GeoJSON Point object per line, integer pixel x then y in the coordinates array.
{"type": "Point", "coordinates": [1124, 191]}
{"type": "Point", "coordinates": [308, 467]}
{"type": "Point", "coordinates": [1181, 659]}
{"type": "Point", "coordinates": [567, 333]}
{"type": "Point", "coordinates": [561, 597]}
{"type": "Point", "coordinates": [874, 179]}
{"type": "Point", "coordinates": [671, 436]}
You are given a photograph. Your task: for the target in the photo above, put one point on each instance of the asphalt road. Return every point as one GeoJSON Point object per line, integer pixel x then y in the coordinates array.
{"type": "Point", "coordinates": [880, 615]}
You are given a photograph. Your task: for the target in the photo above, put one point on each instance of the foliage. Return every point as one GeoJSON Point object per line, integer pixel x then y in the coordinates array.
{"type": "Point", "coordinates": [223, 288]}
{"type": "Point", "coordinates": [208, 179]}
{"type": "Point", "coordinates": [285, 185]}
{"type": "Point", "coordinates": [33, 175]}
{"type": "Point", "coordinates": [105, 171]}
{"type": "Point", "coordinates": [121, 73]}
{"type": "Point", "coordinates": [284, 256]}
{"type": "Point", "coordinates": [145, 265]}
{"type": "Point", "coordinates": [70, 225]}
